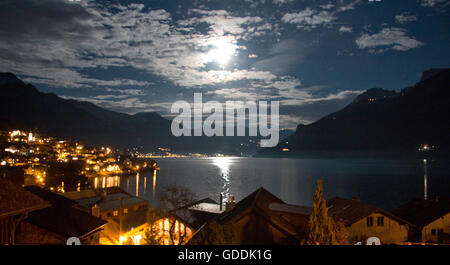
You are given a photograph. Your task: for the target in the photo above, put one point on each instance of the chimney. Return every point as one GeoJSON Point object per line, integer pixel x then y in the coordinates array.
{"type": "Point", "coordinates": [356, 199]}
{"type": "Point", "coordinates": [95, 211]}
{"type": "Point", "coordinates": [229, 205]}
{"type": "Point", "coordinates": [221, 201]}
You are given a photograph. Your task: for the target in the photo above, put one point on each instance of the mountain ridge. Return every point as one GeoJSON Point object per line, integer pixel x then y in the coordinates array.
{"type": "Point", "coordinates": [23, 106]}
{"type": "Point", "coordinates": [401, 122]}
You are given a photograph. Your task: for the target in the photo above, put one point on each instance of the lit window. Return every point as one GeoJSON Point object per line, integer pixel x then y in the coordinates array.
{"type": "Point", "coordinates": [125, 211]}
{"type": "Point", "coordinates": [166, 224]}
{"type": "Point", "coordinates": [115, 213]}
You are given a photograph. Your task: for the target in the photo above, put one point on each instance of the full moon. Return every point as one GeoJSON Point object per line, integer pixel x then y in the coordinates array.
{"type": "Point", "coordinates": [221, 53]}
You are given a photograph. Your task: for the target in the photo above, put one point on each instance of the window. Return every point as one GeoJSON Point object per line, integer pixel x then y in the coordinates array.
{"type": "Point", "coordinates": [433, 232]}
{"type": "Point", "coordinates": [125, 211]}
{"type": "Point", "coordinates": [370, 221]}
{"type": "Point", "coordinates": [380, 220]}
{"type": "Point", "coordinates": [115, 213]}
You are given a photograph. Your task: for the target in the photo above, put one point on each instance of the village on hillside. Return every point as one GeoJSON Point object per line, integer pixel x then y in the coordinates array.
{"type": "Point", "coordinates": [39, 208]}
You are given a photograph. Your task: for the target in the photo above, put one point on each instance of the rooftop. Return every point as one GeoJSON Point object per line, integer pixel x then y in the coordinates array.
{"type": "Point", "coordinates": [15, 200]}
{"type": "Point", "coordinates": [421, 212]}
{"type": "Point", "coordinates": [62, 218]}
{"type": "Point", "coordinates": [198, 213]}
{"type": "Point", "coordinates": [107, 199]}
{"type": "Point", "coordinates": [351, 211]}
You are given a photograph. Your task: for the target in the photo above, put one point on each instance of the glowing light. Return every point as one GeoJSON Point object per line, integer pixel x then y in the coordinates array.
{"type": "Point", "coordinates": [223, 163]}
{"type": "Point", "coordinates": [137, 185]}
{"type": "Point", "coordinates": [137, 239]}
{"type": "Point", "coordinates": [154, 182]}
{"type": "Point", "coordinates": [223, 50]}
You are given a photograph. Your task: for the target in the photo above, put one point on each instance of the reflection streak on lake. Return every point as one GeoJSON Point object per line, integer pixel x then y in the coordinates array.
{"type": "Point", "coordinates": [384, 183]}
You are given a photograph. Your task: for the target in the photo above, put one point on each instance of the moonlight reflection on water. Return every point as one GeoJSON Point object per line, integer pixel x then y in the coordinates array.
{"type": "Point", "coordinates": [224, 163]}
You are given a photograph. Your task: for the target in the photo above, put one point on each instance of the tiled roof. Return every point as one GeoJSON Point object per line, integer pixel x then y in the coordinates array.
{"type": "Point", "coordinates": [422, 212]}
{"type": "Point", "coordinates": [106, 203]}
{"type": "Point", "coordinates": [351, 211]}
{"type": "Point", "coordinates": [15, 200]}
{"type": "Point", "coordinates": [261, 198]}
{"type": "Point", "coordinates": [288, 219]}
{"type": "Point", "coordinates": [62, 218]}
{"type": "Point", "coordinates": [193, 215]}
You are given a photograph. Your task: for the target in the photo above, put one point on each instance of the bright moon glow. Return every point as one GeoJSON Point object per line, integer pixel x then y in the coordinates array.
{"type": "Point", "coordinates": [222, 51]}
{"type": "Point", "coordinates": [224, 163]}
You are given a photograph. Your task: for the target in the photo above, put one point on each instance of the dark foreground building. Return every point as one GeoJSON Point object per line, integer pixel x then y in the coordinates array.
{"type": "Point", "coordinates": [15, 206]}
{"type": "Point", "coordinates": [259, 218]}
{"type": "Point", "coordinates": [60, 221]}
{"type": "Point", "coordinates": [431, 219]}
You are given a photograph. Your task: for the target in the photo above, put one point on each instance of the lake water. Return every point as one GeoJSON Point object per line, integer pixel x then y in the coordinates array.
{"type": "Point", "coordinates": [383, 183]}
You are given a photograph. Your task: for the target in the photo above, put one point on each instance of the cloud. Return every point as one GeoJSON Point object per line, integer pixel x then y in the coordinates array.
{"type": "Point", "coordinates": [309, 110]}
{"type": "Point", "coordinates": [130, 105]}
{"type": "Point", "coordinates": [434, 3]}
{"type": "Point", "coordinates": [324, 15]}
{"type": "Point", "coordinates": [388, 39]}
{"type": "Point", "coordinates": [405, 18]}
{"type": "Point", "coordinates": [309, 18]}
{"type": "Point", "coordinates": [62, 41]}
{"type": "Point", "coordinates": [345, 29]}
{"type": "Point", "coordinates": [282, 2]}
{"type": "Point", "coordinates": [281, 59]}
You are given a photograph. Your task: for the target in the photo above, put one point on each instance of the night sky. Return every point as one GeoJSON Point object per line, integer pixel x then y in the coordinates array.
{"type": "Point", "coordinates": [135, 56]}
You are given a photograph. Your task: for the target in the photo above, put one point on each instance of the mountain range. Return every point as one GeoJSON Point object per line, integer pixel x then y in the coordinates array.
{"type": "Point", "coordinates": [379, 121]}
{"type": "Point", "coordinates": [23, 106]}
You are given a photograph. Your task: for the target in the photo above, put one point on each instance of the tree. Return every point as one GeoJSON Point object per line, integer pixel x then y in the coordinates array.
{"type": "Point", "coordinates": [215, 233]}
{"type": "Point", "coordinates": [322, 229]}
{"type": "Point", "coordinates": [172, 201]}
{"type": "Point", "coordinates": [152, 235]}
{"type": "Point", "coordinates": [340, 232]}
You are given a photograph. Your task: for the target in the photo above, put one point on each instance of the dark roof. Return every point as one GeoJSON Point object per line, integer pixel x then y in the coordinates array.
{"type": "Point", "coordinates": [422, 212]}
{"type": "Point", "coordinates": [106, 203]}
{"type": "Point", "coordinates": [261, 202]}
{"type": "Point", "coordinates": [62, 218]}
{"type": "Point", "coordinates": [270, 208]}
{"type": "Point", "coordinates": [15, 200]}
{"type": "Point", "coordinates": [260, 198]}
{"type": "Point", "coordinates": [194, 217]}
{"type": "Point", "coordinates": [50, 196]}
{"type": "Point", "coordinates": [351, 211]}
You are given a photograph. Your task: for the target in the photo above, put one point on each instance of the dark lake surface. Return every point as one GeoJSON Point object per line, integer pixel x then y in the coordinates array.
{"type": "Point", "coordinates": [383, 183]}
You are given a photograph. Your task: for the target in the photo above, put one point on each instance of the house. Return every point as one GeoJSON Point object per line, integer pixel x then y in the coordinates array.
{"type": "Point", "coordinates": [121, 210]}
{"type": "Point", "coordinates": [430, 217]}
{"type": "Point", "coordinates": [58, 222]}
{"type": "Point", "coordinates": [262, 218]}
{"type": "Point", "coordinates": [364, 221]}
{"type": "Point", "coordinates": [15, 206]}
{"type": "Point", "coordinates": [186, 220]}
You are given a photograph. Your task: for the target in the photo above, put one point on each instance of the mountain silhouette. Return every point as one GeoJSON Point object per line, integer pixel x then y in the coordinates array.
{"type": "Point", "coordinates": [379, 121]}
{"type": "Point", "coordinates": [23, 106]}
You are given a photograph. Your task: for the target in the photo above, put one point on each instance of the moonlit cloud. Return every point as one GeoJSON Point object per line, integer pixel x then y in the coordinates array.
{"type": "Point", "coordinates": [434, 3]}
{"type": "Point", "coordinates": [133, 57]}
{"type": "Point", "coordinates": [405, 18]}
{"type": "Point", "coordinates": [345, 29]}
{"type": "Point", "coordinates": [309, 18]}
{"type": "Point", "coordinates": [388, 39]}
